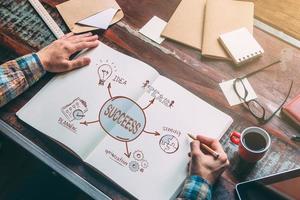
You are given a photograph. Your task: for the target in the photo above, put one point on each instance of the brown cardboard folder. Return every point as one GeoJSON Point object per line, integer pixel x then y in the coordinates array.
{"type": "Point", "coordinates": [222, 16]}
{"type": "Point", "coordinates": [73, 11]}
{"type": "Point", "coordinates": [186, 24]}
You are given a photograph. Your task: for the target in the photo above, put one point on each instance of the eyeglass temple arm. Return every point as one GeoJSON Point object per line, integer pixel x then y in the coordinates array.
{"type": "Point", "coordinates": [287, 96]}
{"type": "Point", "coordinates": [269, 65]}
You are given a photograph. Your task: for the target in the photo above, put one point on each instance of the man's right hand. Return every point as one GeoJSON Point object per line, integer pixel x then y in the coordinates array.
{"type": "Point", "coordinates": [55, 57]}
{"type": "Point", "coordinates": [205, 165]}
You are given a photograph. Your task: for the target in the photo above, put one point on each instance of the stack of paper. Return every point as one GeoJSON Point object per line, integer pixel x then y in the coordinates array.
{"type": "Point", "coordinates": [199, 23]}
{"type": "Point", "coordinates": [221, 17]}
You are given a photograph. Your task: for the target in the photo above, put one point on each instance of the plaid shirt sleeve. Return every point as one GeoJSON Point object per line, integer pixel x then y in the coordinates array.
{"type": "Point", "coordinates": [196, 188]}
{"type": "Point", "coordinates": [18, 75]}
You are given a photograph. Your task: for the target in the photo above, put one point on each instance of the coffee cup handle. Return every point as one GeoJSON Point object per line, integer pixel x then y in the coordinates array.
{"type": "Point", "coordinates": [235, 137]}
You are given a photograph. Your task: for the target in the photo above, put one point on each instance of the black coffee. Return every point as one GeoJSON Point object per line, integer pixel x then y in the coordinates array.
{"type": "Point", "coordinates": [254, 141]}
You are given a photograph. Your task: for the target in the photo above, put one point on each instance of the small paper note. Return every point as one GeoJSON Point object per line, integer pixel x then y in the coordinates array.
{"type": "Point", "coordinates": [153, 29]}
{"type": "Point", "coordinates": [231, 96]}
{"type": "Point", "coordinates": [100, 20]}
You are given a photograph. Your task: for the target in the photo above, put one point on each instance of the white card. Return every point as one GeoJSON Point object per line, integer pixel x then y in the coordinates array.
{"type": "Point", "coordinates": [153, 29]}
{"type": "Point", "coordinates": [231, 96]}
{"type": "Point", "coordinates": [100, 20]}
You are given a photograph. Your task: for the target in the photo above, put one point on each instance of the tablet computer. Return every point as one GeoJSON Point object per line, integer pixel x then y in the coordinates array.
{"type": "Point", "coordinates": [284, 185]}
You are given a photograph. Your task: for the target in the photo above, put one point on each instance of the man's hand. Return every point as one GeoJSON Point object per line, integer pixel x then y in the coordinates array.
{"type": "Point", "coordinates": [205, 165]}
{"type": "Point", "coordinates": [55, 57]}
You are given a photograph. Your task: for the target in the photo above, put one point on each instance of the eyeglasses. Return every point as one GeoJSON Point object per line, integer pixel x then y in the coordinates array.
{"type": "Point", "coordinates": [256, 109]}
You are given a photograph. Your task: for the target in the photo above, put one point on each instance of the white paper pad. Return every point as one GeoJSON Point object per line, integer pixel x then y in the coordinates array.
{"type": "Point", "coordinates": [154, 164]}
{"type": "Point", "coordinates": [241, 45]}
{"type": "Point", "coordinates": [100, 20]}
{"type": "Point", "coordinates": [232, 98]}
{"type": "Point", "coordinates": [153, 29]}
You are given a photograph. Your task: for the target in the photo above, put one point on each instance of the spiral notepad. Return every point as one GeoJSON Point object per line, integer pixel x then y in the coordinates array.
{"type": "Point", "coordinates": [241, 46]}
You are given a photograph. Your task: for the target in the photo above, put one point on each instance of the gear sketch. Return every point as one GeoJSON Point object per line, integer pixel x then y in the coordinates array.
{"type": "Point", "coordinates": [138, 155]}
{"type": "Point", "coordinates": [134, 166]}
{"type": "Point", "coordinates": [144, 164]}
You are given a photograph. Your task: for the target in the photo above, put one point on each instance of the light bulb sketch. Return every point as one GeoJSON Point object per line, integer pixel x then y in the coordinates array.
{"type": "Point", "coordinates": [104, 72]}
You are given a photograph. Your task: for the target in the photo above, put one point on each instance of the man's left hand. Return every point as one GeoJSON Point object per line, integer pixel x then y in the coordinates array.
{"type": "Point", "coordinates": [55, 57]}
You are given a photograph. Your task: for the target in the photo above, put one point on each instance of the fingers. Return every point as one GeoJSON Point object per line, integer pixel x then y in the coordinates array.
{"type": "Point", "coordinates": [76, 37]}
{"type": "Point", "coordinates": [67, 35]}
{"type": "Point", "coordinates": [79, 62]}
{"type": "Point", "coordinates": [188, 167]}
{"type": "Point", "coordinates": [83, 45]}
{"type": "Point", "coordinates": [73, 43]}
{"type": "Point", "coordinates": [195, 148]}
{"type": "Point", "coordinates": [213, 143]}
{"type": "Point", "coordinates": [205, 140]}
{"type": "Point", "coordinates": [85, 39]}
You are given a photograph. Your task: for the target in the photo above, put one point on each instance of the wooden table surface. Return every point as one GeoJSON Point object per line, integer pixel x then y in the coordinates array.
{"type": "Point", "coordinates": [23, 31]}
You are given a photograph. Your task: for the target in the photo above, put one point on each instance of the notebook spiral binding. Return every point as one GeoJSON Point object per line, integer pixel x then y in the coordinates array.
{"type": "Point", "coordinates": [251, 56]}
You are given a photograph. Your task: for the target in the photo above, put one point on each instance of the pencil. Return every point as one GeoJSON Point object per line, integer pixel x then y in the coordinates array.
{"type": "Point", "coordinates": [207, 148]}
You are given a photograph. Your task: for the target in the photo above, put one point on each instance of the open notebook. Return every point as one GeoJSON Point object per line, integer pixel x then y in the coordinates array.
{"type": "Point", "coordinates": [124, 119]}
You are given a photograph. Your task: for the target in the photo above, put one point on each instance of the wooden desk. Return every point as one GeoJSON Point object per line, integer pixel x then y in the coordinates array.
{"type": "Point", "coordinates": [22, 30]}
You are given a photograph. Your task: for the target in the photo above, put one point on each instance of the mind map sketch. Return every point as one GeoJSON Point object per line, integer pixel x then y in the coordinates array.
{"type": "Point", "coordinates": [121, 117]}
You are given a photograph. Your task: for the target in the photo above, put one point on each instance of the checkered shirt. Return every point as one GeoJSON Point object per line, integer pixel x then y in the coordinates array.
{"type": "Point", "coordinates": [18, 75]}
{"type": "Point", "coordinates": [196, 188]}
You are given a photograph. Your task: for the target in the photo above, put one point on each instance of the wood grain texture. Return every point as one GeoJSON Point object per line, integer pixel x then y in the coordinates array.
{"type": "Point", "coordinates": [283, 15]}
{"type": "Point", "coordinates": [177, 62]}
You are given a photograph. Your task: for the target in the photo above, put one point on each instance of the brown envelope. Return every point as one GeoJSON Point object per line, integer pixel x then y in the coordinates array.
{"type": "Point", "coordinates": [73, 11]}
{"type": "Point", "coordinates": [222, 16]}
{"type": "Point", "coordinates": [186, 24]}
